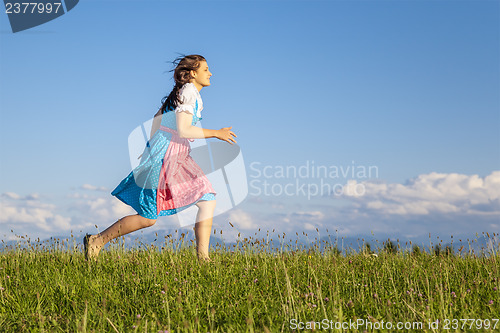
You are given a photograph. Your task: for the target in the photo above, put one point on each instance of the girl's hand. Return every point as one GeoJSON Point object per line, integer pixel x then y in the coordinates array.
{"type": "Point", "coordinates": [225, 134]}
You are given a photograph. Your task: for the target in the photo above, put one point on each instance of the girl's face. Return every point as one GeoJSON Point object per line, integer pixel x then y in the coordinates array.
{"type": "Point", "coordinates": [201, 77]}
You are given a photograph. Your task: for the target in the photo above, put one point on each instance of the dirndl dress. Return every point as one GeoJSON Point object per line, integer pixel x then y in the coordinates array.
{"type": "Point", "coordinates": [167, 180]}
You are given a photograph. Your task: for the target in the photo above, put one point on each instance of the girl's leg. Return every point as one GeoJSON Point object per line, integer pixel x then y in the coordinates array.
{"type": "Point", "coordinates": [122, 227]}
{"type": "Point", "coordinates": [203, 227]}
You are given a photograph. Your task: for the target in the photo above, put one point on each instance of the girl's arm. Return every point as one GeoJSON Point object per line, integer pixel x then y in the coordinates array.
{"type": "Point", "coordinates": [188, 131]}
{"type": "Point", "coordinates": [156, 123]}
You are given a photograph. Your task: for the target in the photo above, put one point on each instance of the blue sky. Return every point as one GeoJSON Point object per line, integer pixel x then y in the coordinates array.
{"type": "Point", "coordinates": [411, 87]}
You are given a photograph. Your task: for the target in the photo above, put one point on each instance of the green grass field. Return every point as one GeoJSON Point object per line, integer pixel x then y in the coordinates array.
{"type": "Point", "coordinates": [246, 289]}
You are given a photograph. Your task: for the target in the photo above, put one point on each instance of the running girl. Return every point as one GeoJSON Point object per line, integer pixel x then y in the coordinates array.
{"type": "Point", "coordinates": [168, 180]}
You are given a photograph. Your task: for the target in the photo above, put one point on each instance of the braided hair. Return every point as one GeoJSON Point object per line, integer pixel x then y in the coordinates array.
{"type": "Point", "coordinates": [182, 75]}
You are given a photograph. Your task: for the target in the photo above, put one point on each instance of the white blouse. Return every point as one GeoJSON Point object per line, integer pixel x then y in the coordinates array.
{"type": "Point", "coordinates": [190, 100]}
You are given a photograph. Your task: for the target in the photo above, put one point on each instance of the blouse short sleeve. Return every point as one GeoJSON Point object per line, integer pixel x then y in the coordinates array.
{"type": "Point", "coordinates": [187, 97]}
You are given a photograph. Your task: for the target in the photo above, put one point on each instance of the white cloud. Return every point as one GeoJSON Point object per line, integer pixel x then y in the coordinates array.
{"type": "Point", "coordinates": [431, 193]}
{"type": "Point", "coordinates": [313, 215]}
{"type": "Point", "coordinates": [241, 219]}
{"type": "Point", "coordinates": [309, 226]}
{"type": "Point", "coordinates": [29, 213]}
{"type": "Point", "coordinates": [251, 220]}
{"type": "Point", "coordinates": [100, 211]}
{"type": "Point", "coordinates": [448, 203]}
{"type": "Point", "coordinates": [15, 196]}
{"type": "Point", "coordinates": [32, 216]}
{"type": "Point", "coordinates": [429, 203]}
{"type": "Point", "coordinates": [93, 188]}
{"type": "Point", "coordinates": [11, 195]}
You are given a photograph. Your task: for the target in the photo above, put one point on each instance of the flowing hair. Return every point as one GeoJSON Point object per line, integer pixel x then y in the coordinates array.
{"type": "Point", "coordinates": [182, 75]}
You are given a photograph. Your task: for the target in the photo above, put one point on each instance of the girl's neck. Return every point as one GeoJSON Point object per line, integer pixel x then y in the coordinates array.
{"type": "Point", "coordinates": [197, 86]}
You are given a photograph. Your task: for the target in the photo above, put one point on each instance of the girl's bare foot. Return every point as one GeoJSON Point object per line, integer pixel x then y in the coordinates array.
{"type": "Point", "coordinates": [204, 258]}
{"type": "Point", "coordinates": [91, 248]}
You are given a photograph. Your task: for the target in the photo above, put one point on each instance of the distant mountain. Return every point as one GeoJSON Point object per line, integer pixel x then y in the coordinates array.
{"type": "Point", "coordinates": [176, 237]}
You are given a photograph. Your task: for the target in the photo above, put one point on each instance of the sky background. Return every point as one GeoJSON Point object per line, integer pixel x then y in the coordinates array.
{"type": "Point", "coordinates": [409, 87]}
